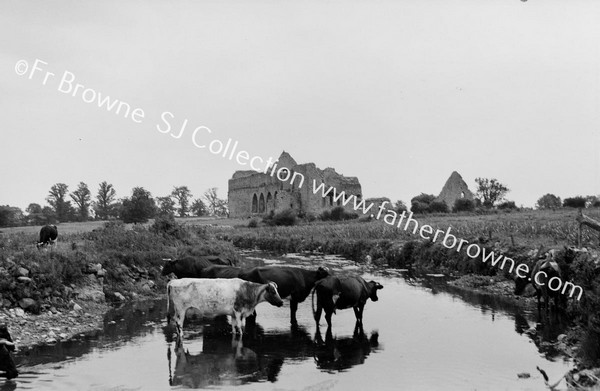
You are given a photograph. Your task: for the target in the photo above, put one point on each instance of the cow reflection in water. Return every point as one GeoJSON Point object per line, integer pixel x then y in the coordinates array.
{"type": "Point", "coordinates": [227, 361]}
{"type": "Point", "coordinates": [337, 354]}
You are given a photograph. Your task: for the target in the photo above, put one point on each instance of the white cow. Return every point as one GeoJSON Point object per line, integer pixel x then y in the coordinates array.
{"type": "Point", "coordinates": [220, 296]}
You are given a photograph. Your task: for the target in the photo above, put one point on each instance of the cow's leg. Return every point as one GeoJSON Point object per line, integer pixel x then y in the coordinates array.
{"type": "Point", "coordinates": [293, 309]}
{"type": "Point", "coordinates": [179, 318]}
{"type": "Point", "coordinates": [328, 314]}
{"type": "Point", "coordinates": [318, 313]}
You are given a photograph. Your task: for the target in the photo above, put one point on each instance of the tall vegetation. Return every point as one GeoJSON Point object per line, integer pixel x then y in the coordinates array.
{"type": "Point", "coordinates": [57, 199]}
{"type": "Point", "coordinates": [548, 201]}
{"type": "Point", "coordinates": [182, 195]}
{"type": "Point", "coordinates": [215, 205]}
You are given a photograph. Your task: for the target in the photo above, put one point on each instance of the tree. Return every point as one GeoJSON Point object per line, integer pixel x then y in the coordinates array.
{"type": "Point", "coordinates": [548, 201]}
{"type": "Point", "coordinates": [215, 205]}
{"type": "Point", "coordinates": [400, 207]}
{"type": "Point", "coordinates": [420, 203]}
{"type": "Point", "coordinates": [56, 198]}
{"type": "Point", "coordinates": [10, 216]}
{"type": "Point", "coordinates": [82, 197]}
{"type": "Point", "coordinates": [198, 208]}
{"type": "Point", "coordinates": [166, 206]}
{"type": "Point", "coordinates": [490, 191]}
{"type": "Point", "coordinates": [49, 215]}
{"type": "Point", "coordinates": [574, 202]}
{"type": "Point", "coordinates": [105, 198]}
{"type": "Point", "coordinates": [182, 194]}
{"type": "Point", "coordinates": [139, 207]}
{"type": "Point", "coordinates": [35, 215]}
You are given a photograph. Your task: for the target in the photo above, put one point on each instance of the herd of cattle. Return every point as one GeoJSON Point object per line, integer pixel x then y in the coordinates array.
{"type": "Point", "coordinates": [213, 287]}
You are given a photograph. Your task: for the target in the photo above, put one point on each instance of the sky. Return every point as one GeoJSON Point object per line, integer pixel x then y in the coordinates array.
{"type": "Point", "coordinates": [397, 93]}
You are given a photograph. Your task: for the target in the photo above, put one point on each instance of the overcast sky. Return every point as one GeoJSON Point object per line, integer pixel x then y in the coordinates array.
{"type": "Point", "coordinates": [398, 93]}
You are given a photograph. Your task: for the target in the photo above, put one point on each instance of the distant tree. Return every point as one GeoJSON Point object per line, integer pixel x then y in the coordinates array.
{"type": "Point", "coordinates": [166, 206]}
{"type": "Point", "coordinates": [420, 203]}
{"type": "Point", "coordinates": [182, 194]}
{"type": "Point", "coordinates": [81, 197]}
{"type": "Point", "coordinates": [463, 205]}
{"type": "Point", "coordinates": [400, 207]}
{"type": "Point", "coordinates": [104, 205]}
{"type": "Point", "coordinates": [490, 191]}
{"type": "Point", "coordinates": [11, 216]}
{"type": "Point", "coordinates": [574, 202]}
{"type": "Point", "coordinates": [508, 205]}
{"type": "Point", "coordinates": [198, 208]}
{"type": "Point", "coordinates": [57, 199]}
{"type": "Point", "coordinates": [215, 205]}
{"type": "Point", "coordinates": [139, 207]}
{"type": "Point", "coordinates": [548, 201]}
{"type": "Point", "coordinates": [49, 215]}
{"type": "Point", "coordinates": [35, 215]}
{"type": "Point", "coordinates": [592, 201]}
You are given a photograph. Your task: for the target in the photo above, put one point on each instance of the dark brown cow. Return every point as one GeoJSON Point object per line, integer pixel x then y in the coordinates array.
{"type": "Point", "coordinates": [291, 281]}
{"type": "Point", "coordinates": [191, 267]}
{"type": "Point", "coordinates": [344, 292]}
{"type": "Point", "coordinates": [543, 271]}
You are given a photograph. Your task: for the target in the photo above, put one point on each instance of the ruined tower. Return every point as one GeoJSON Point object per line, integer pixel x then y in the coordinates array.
{"type": "Point", "coordinates": [454, 189]}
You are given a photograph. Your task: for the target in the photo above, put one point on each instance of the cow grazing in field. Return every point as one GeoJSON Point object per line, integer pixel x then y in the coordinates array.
{"type": "Point", "coordinates": [191, 267]}
{"type": "Point", "coordinates": [543, 271]}
{"type": "Point", "coordinates": [48, 235]}
{"type": "Point", "coordinates": [8, 369]}
{"type": "Point", "coordinates": [213, 297]}
{"type": "Point", "coordinates": [343, 292]}
{"type": "Point", "coordinates": [293, 282]}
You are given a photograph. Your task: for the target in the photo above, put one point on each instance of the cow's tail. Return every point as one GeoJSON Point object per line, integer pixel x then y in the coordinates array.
{"type": "Point", "coordinates": [313, 301]}
{"type": "Point", "coordinates": [168, 304]}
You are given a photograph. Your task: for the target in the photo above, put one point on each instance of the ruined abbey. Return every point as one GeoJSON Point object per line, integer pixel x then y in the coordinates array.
{"type": "Point", "coordinates": [287, 184]}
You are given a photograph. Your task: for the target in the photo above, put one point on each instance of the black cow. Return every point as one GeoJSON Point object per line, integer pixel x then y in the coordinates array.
{"type": "Point", "coordinates": [291, 281]}
{"type": "Point", "coordinates": [218, 271]}
{"type": "Point", "coordinates": [8, 369]}
{"type": "Point", "coordinates": [543, 271]}
{"type": "Point", "coordinates": [48, 235]}
{"type": "Point", "coordinates": [191, 267]}
{"type": "Point", "coordinates": [343, 292]}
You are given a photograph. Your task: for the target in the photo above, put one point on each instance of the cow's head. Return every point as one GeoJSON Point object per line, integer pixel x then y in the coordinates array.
{"type": "Point", "coordinates": [168, 267]}
{"type": "Point", "coordinates": [322, 272]}
{"type": "Point", "coordinates": [373, 288]}
{"type": "Point", "coordinates": [272, 296]}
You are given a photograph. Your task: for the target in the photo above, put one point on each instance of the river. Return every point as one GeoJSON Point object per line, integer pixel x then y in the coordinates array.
{"type": "Point", "coordinates": [420, 335]}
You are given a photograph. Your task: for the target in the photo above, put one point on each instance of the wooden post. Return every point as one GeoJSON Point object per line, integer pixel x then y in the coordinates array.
{"type": "Point", "coordinates": [587, 221]}
{"type": "Point", "coordinates": [512, 240]}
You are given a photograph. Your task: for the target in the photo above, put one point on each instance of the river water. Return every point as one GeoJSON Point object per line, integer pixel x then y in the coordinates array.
{"type": "Point", "coordinates": [420, 335]}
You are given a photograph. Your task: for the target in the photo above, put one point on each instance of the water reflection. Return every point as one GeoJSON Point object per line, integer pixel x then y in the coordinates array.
{"type": "Point", "coordinates": [338, 354]}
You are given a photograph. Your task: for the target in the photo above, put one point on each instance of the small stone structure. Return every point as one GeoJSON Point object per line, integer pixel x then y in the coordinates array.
{"type": "Point", "coordinates": [454, 189]}
{"type": "Point", "coordinates": [287, 184]}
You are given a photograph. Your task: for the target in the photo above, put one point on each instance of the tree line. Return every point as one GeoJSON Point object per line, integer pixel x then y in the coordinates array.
{"type": "Point", "coordinates": [78, 205]}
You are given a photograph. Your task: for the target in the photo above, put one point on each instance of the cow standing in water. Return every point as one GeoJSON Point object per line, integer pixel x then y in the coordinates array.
{"type": "Point", "coordinates": [343, 292]}
{"type": "Point", "coordinates": [543, 271]}
{"type": "Point", "coordinates": [8, 368]}
{"type": "Point", "coordinates": [48, 236]}
{"type": "Point", "coordinates": [291, 281]}
{"type": "Point", "coordinates": [191, 267]}
{"type": "Point", "coordinates": [213, 297]}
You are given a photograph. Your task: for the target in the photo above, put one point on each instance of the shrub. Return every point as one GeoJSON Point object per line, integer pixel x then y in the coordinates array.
{"type": "Point", "coordinates": [167, 226]}
{"type": "Point", "coordinates": [438, 207]}
{"type": "Point", "coordinates": [463, 205]}
{"type": "Point", "coordinates": [574, 202]}
{"type": "Point", "coordinates": [508, 205]}
{"type": "Point", "coordinates": [253, 223]}
{"type": "Point", "coordinates": [285, 217]}
{"type": "Point", "coordinates": [419, 207]}
{"type": "Point", "coordinates": [338, 214]}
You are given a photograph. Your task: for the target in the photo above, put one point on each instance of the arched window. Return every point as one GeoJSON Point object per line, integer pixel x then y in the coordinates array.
{"type": "Point", "coordinates": [462, 194]}
{"type": "Point", "coordinates": [269, 201]}
{"type": "Point", "coordinates": [261, 204]}
{"type": "Point", "coordinates": [254, 204]}
{"type": "Point", "coordinates": [330, 199]}
{"type": "Point", "coordinates": [275, 201]}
